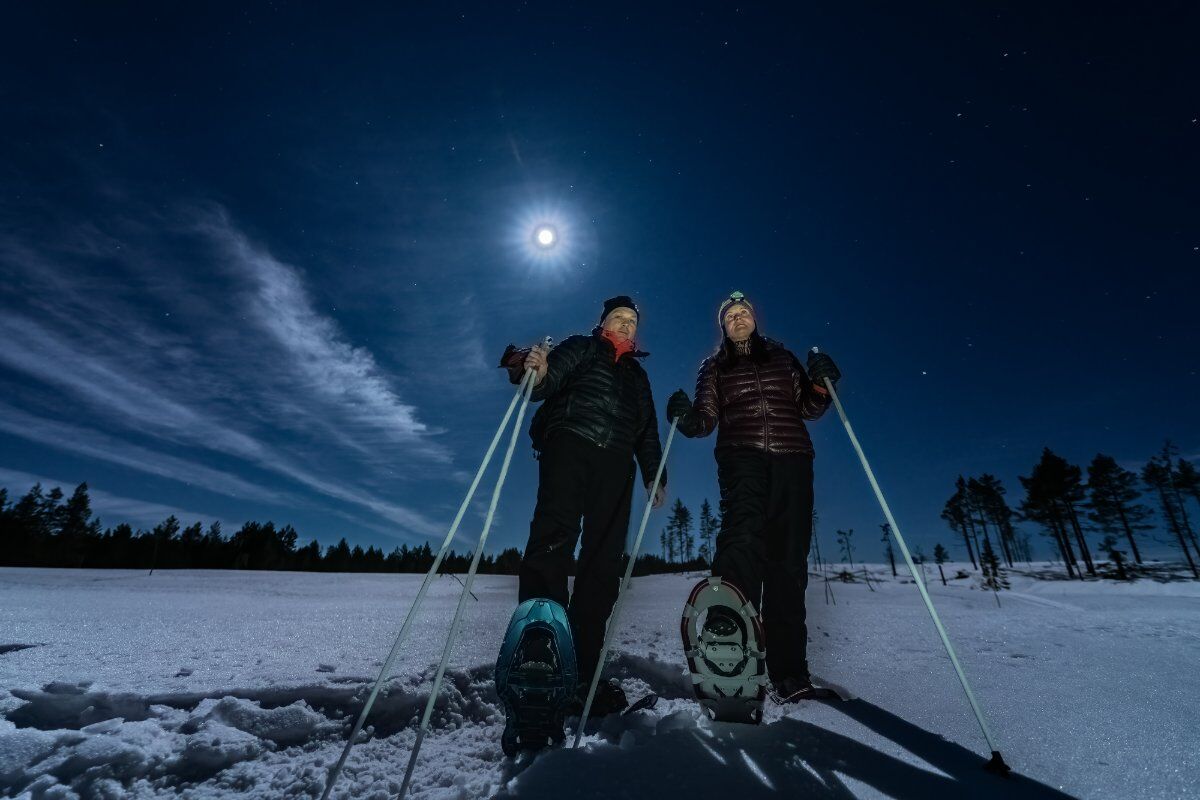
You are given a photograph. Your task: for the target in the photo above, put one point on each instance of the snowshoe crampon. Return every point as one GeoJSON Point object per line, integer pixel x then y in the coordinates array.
{"type": "Point", "coordinates": [536, 676]}
{"type": "Point", "coordinates": [724, 643]}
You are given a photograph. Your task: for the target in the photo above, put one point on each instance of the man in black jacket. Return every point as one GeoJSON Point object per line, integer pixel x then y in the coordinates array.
{"type": "Point", "coordinates": [597, 418]}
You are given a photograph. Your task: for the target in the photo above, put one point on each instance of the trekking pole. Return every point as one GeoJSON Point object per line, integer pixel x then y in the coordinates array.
{"type": "Point", "coordinates": [616, 613]}
{"type": "Point", "coordinates": [996, 764]}
{"type": "Point", "coordinates": [527, 390]}
{"type": "Point", "coordinates": [412, 611]}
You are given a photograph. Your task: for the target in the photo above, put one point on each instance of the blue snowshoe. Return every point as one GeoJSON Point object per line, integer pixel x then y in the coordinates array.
{"type": "Point", "coordinates": [536, 676]}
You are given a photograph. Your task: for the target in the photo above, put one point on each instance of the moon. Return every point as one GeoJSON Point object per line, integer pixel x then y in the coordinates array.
{"type": "Point", "coordinates": [545, 236]}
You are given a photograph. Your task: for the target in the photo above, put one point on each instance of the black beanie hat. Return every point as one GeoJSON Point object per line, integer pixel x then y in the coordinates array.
{"type": "Point", "coordinates": [620, 301]}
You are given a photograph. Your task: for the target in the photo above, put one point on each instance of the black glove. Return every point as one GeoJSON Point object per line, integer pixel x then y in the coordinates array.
{"type": "Point", "coordinates": [820, 367]}
{"type": "Point", "coordinates": [513, 360]}
{"type": "Point", "coordinates": [678, 405]}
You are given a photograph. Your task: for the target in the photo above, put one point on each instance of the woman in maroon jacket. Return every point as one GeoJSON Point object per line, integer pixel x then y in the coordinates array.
{"type": "Point", "coordinates": [758, 396]}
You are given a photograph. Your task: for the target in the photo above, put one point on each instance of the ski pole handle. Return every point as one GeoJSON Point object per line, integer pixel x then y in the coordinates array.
{"type": "Point", "coordinates": [828, 383]}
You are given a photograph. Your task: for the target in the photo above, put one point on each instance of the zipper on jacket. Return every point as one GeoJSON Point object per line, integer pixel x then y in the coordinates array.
{"type": "Point", "coordinates": [763, 400]}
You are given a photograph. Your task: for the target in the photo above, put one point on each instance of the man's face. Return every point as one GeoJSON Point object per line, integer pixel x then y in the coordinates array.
{"type": "Point", "coordinates": [739, 322]}
{"type": "Point", "coordinates": [621, 321]}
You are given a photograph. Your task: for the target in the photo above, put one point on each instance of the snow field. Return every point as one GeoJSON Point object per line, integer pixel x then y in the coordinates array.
{"type": "Point", "coordinates": [238, 684]}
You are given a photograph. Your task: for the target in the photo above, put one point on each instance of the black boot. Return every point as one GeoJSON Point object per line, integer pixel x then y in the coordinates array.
{"type": "Point", "coordinates": [610, 698]}
{"type": "Point", "coordinates": [792, 689]}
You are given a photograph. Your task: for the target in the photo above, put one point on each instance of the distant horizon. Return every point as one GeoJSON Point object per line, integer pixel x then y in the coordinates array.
{"type": "Point", "coordinates": [1151, 547]}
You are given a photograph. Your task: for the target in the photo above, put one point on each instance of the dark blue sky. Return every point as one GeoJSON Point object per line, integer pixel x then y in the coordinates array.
{"type": "Point", "coordinates": [259, 264]}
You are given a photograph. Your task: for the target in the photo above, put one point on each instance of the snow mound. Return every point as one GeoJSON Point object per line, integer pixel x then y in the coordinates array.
{"type": "Point", "coordinates": [162, 746]}
{"type": "Point", "coordinates": [283, 726]}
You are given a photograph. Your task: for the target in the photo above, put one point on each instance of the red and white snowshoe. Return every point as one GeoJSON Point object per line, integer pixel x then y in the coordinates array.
{"type": "Point", "coordinates": [725, 647]}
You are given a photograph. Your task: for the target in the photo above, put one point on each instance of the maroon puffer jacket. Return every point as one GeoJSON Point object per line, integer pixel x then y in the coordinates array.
{"type": "Point", "coordinates": [760, 400]}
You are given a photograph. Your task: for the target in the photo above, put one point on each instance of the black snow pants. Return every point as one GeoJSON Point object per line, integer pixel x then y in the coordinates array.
{"type": "Point", "coordinates": [766, 530]}
{"type": "Point", "coordinates": [578, 479]}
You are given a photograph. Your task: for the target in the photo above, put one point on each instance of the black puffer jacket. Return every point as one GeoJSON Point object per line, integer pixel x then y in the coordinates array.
{"type": "Point", "coordinates": [759, 400]}
{"type": "Point", "coordinates": [606, 402]}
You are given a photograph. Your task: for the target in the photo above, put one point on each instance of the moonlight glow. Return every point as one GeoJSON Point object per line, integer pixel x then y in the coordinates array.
{"type": "Point", "coordinates": [550, 239]}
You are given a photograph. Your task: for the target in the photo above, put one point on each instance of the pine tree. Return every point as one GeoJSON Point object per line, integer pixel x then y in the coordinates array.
{"type": "Point", "coordinates": [887, 540]}
{"type": "Point", "coordinates": [75, 527]}
{"type": "Point", "coordinates": [337, 557]}
{"type": "Point", "coordinates": [955, 514]}
{"type": "Point", "coordinates": [989, 493]}
{"type": "Point", "coordinates": [709, 527]}
{"type": "Point", "coordinates": [1169, 451]}
{"type": "Point", "coordinates": [1049, 491]}
{"type": "Point", "coordinates": [1113, 493]}
{"type": "Point", "coordinates": [940, 556]}
{"type": "Point", "coordinates": [1157, 475]}
{"type": "Point", "coordinates": [162, 534]}
{"type": "Point", "coordinates": [1187, 479]}
{"type": "Point", "coordinates": [680, 540]}
{"type": "Point", "coordinates": [847, 547]}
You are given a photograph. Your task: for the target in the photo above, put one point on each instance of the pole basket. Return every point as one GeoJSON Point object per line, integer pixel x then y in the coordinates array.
{"type": "Point", "coordinates": [996, 765]}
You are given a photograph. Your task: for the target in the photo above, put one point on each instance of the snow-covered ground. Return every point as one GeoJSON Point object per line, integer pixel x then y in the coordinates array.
{"type": "Point", "coordinates": [243, 684]}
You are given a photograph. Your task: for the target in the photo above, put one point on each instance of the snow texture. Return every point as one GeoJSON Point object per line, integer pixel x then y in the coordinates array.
{"type": "Point", "coordinates": [244, 684]}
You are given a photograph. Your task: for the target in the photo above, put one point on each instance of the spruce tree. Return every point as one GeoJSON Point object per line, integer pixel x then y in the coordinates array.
{"type": "Point", "coordinates": [1113, 493]}
{"type": "Point", "coordinates": [993, 574]}
{"type": "Point", "coordinates": [1108, 546]}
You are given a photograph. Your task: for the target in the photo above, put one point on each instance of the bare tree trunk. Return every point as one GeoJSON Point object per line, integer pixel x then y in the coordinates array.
{"type": "Point", "coordinates": [999, 536]}
{"type": "Point", "coordinates": [1187, 526]}
{"type": "Point", "coordinates": [974, 535]}
{"type": "Point", "coordinates": [967, 542]}
{"type": "Point", "coordinates": [1064, 544]}
{"type": "Point", "coordinates": [1137, 556]}
{"type": "Point", "coordinates": [1084, 550]}
{"type": "Point", "coordinates": [1177, 529]}
{"type": "Point", "coordinates": [1008, 543]}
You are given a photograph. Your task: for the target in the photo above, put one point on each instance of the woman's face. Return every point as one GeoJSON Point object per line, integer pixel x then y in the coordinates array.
{"type": "Point", "coordinates": [739, 322]}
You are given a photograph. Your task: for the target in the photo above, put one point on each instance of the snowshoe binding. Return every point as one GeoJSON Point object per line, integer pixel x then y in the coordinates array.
{"type": "Point", "coordinates": [724, 644]}
{"type": "Point", "coordinates": [536, 676]}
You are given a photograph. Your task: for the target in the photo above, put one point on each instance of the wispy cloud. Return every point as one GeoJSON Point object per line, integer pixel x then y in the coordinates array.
{"type": "Point", "coordinates": [325, 364]}
{"type": "Point", "coordinates": [198, 341]}
{"type": "Point", "coordinates": [97, 445]}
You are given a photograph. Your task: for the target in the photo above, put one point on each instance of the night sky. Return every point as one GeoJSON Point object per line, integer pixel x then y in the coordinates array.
{"type": "Point", "coordinates": [260, 264]}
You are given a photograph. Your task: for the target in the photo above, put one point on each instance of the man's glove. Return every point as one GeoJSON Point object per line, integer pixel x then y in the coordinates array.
{"type": "Point", "coordinates": [513, 360]}
{"type": "Point", "coordinates": [678, 405]}
{"type": "Point", "coordinates": [820, 367]}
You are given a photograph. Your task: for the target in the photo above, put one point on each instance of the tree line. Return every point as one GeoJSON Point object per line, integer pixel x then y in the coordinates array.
{"type": "Point", "coordinates": [48, 529]}
{"type": "Point", "coordinates": [682, 550]}
{"type": "Point", "coordinates": [1070, 509]}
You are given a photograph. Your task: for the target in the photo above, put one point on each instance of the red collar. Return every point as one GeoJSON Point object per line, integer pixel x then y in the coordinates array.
{"type": "Point", "coordinates": [622, 346]}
